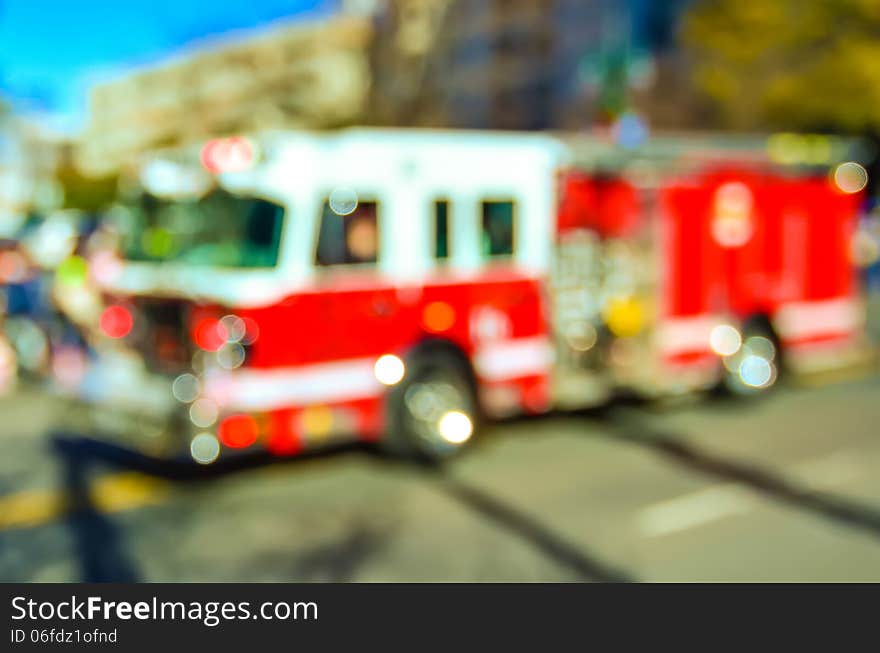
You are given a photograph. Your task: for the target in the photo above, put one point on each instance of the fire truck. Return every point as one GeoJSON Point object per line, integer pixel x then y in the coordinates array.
{"type": "Point", "coordinates": [730, 255]}
{"type": "Point", "coordinates": [291, 290]}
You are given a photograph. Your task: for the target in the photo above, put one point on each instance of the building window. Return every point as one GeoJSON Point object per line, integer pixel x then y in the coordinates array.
{"type": "Point", "coordinates": [441, 229]}
{"type": "Point", "coordinates": [350, 239]}
{"type": "Point", "coordinates": [498, 228]}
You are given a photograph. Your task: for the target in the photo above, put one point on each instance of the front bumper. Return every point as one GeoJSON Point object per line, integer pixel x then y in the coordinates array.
{"type": "Point", "coordinates": [120, 402]}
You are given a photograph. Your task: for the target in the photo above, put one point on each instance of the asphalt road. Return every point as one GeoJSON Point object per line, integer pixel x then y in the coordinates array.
{"type": "Point", "coordinates": [784, 488]}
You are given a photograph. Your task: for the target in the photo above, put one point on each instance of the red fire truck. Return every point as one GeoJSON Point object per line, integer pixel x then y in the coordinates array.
{"type": "Point", "coordinates": [402, 286]}
{"type": "Point", "coordinates": [733, 257]}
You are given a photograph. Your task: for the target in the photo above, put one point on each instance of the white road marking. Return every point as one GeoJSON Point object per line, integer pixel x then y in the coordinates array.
{"type": "Point", "coordinates": [694, 509]}
{"type": "Point", "coordinates": [728, 499]}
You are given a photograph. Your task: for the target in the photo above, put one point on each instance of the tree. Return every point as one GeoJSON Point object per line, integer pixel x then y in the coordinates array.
{"type": "Point", "coordinates": [809, 65]}
{"type": "Point", "coordinates": [90, 194]}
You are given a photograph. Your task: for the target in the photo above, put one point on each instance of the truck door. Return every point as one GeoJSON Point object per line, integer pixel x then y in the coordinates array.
{"type": "Point", "coordinates": [360, 304]}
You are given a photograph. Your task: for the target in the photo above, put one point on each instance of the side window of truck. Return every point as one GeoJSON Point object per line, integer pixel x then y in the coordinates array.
{"type": "Point", "coordinates": [497, 227]}
{"type": "Point", "coordinates": [349, 239]}
{"type": "Point", "coordinates": [441, 229]}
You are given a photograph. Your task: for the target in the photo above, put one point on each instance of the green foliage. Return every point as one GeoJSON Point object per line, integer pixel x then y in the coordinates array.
{"type": "Point", "coordinates": [788, 64]}
{"type": "Point", "coordinates": [86, 193]}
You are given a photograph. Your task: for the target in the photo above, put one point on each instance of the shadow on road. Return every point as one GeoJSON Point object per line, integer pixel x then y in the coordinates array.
{"type": "Point", "coordinates": [338, 561]}
{"type": "Point", "coordinates": [676, 448]}
{"type": "Point", "coordinates": [103, 554]}
{"type": "Point", "coordinates": [97, 540]}
{"type": "Point", "coordinates": [584, 565]}
{"type": "Point", "coordinates": [101, 546]}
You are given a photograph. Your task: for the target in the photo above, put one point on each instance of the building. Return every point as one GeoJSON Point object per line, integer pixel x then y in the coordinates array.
{"type": "Point", "coordinates": [307, 75]}
{"type": "Point", "coordinates": [28, 161]}
{"type": "Point", "coordinates": [503, 64]}
{"type": "Point", "coordinates": [494, 64]}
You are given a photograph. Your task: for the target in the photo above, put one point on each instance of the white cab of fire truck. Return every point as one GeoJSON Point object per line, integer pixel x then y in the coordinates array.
{"type": "Point", "coordinates": [424, 310]}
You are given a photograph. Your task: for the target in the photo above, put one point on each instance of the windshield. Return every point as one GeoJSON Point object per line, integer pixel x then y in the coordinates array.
{"type": "Point", "coordinates": [219, 229]}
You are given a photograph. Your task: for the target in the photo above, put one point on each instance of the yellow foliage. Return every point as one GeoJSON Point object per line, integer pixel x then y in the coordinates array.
{"type": "Point", "coordinates": [788, 64]}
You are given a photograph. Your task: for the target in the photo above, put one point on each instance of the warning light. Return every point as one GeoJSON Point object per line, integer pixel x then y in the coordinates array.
{"type": "Point", "coordinates": [209, 334]}
{"type": "Point", "coordinates": [238, 431]}
{"type": "Point", "coordinates": [232, 154]}
{"type": "Point", "coordinates": [438, 317]}
{"type": "Point", "coordinates": [732, 222]}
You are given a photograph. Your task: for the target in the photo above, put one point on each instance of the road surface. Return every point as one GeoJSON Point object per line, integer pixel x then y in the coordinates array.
{"type": "Point", "coordinates": [785, 488]}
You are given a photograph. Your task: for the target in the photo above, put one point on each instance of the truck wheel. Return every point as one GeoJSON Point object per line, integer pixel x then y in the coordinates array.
{"type": "Point", "coordinates": [433, 412]}
{"type": "Point", "coordinates": [757, 365]}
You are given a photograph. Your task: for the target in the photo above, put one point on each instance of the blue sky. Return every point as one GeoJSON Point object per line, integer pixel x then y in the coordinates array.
{"type": "Point", "coordinates": [51, 50]}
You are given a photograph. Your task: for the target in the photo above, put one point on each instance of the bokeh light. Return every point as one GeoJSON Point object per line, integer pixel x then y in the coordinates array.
{"type": "Point", "coordinates": [204, 448]}
{"type": "Point", "coordinates": [233, 154]}
{"type": "Point", "coordinates": [732, 221]}
{"type": "Point", "coordinates": [203, 413]}
{"type": "Point", "coordinates": [438, 317]}
{"type": "Point", "coordinates": [725, 340]}
{"type": "Point", "coordinates": [238, 431]}
{"type": "Point", "coordinates": [251, 331]}
{"type": "Point", "coordinates": [230, 356]}
{"type": "Point", "coordinates": [850, 177]}
{"type": "Point", "coordinates": [455, 427]}
{"type": "Point", "coordinates": [73, 271]}
{"type": "Point", "coordinates": [343, 201]}
{"type": "Point", "coordinates": [581, 336]}
{"type": "Point", "coordinates": [234, 328]}
{"type": "Point", "coordinates": [209, 334]}
{"type": "Point", "coordinates": [755, 371]}
{"type": "Point", "coordinates": [185, 388]}
{"type": "Point", "coordinates": [116, 321]}
{"type": "Point", "coordinates": [624, 316]}
{"type": "Point", "coordinates": [389, 369]}
{"type": "Point", "coordinates": [760, 346]}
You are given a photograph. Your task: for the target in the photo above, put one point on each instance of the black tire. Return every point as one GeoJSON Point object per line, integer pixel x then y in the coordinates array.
{"type": "Point", "coordinates": [437, 383]}
{"type": "Point", "coordinates": [732, 382]}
